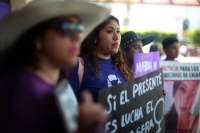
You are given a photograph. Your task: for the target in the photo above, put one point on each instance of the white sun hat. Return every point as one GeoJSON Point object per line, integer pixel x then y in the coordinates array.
{"type": "Point", "coordinates": [16, 23]}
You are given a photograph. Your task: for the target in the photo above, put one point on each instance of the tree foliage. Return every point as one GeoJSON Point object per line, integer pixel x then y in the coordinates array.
{"type": "Point", "coordinates": [194, 36]}
{"type": "Point", "coordinates": [158, 35]}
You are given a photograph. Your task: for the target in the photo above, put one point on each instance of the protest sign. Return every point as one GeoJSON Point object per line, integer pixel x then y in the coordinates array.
{"type": "Point", "coordinates": [135, 106]}
{"type": "Point", "coordinates": [181, 82]}
{"type": "Point", "coordinates": [146, 62]}
{"type": "Point", "coordinates": [4, 9]}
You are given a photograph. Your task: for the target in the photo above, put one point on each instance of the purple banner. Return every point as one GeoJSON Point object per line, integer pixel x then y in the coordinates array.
{"type": "Point", "coordinates": [146, 62]}
{"type": "Point", "coordinates": [4, 9]}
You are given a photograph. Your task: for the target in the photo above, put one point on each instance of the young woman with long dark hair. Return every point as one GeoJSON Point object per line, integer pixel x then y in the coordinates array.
{"type": "Point", "coordinates": [104, 65]}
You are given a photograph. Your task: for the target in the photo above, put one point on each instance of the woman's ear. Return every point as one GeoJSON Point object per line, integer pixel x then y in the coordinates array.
{"type": "Point", "coordinates": [94, 38]}
{"type": "Point", "coordinates": [38, 43]}
{"type": "Point", "coordinates": [38, 46]}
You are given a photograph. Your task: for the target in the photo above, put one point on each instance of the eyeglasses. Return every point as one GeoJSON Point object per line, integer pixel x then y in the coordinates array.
{"type": "Point", "coordinates": [68, 28]}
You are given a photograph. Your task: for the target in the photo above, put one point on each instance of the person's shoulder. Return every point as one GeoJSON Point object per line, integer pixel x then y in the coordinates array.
{"type": "Point", "coordinates": [85, 59]}
{"type": "Point", "coordinates": [11, 80]}
{"type": "Point", "coordinates": [24, 80]}
{"type": "Point", "coordinates": [30, 79]}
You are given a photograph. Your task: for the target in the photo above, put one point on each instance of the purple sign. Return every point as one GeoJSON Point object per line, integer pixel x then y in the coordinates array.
{"type": "Point", "coordinates": [4, 9]}
{"type": "Point", "coordinates": [146, 62]}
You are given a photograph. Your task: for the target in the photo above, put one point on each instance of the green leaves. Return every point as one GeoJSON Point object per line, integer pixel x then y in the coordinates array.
{"type": "Point", "coordinates": [159, 35]}
{"type": "Point", "coordinates": [194, 36]}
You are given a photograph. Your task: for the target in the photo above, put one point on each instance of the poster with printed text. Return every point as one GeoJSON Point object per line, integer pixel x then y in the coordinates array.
{"type": "Point", "coordinates": [181, 82]}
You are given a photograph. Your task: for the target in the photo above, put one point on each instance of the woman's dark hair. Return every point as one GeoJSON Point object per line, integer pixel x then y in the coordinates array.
{"type": "Point", "coordinates": [89, 47]}
{"type": "Point", "coordinates": [171, 118]}
{"type": "Point", "coordinates": [89, 40]}
{"type": "Point", "coordinates": [175, 86]}
{"type": "Point", "coordinates": [153, 48]}
{"type": "Point", "coordinates": [23, 51]}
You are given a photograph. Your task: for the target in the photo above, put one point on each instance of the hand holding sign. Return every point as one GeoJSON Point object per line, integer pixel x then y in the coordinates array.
{"type": "Point", "coordinates": [91, 114]}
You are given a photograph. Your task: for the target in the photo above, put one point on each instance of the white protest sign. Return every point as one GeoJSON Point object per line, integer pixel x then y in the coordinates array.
{"type": "Point", "coordinates": [67, 104]}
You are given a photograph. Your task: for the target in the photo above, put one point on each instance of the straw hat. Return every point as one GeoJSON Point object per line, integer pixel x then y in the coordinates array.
{"type": "Point", "coordinates": [16, 23]}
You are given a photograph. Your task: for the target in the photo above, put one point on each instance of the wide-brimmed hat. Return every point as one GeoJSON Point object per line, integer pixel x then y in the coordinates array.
{"type": "Point", "coordinates": [16, 23]}
{"type": "Point", "coordinates": [128, 38]}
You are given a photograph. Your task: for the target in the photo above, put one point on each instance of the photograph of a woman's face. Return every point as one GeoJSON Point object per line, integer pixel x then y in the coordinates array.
{"type": "Point", "coordinates": [184, 93]}
{"type": "Point", "coordinates": [179, 103]}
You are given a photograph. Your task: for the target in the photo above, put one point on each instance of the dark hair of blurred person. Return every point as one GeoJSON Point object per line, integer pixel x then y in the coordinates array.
{"type": "Point", "coordinates": [156, 47]}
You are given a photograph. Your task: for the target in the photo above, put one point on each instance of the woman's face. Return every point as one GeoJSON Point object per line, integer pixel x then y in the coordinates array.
{"type": "Point", "coordinates": [134, 49]}
{"type": "Point", "coordinates": [184, 96]}
{"type": "Point", "coordinates": [61, 46]}
{"type": "Point", "coordinates": [109, 39]}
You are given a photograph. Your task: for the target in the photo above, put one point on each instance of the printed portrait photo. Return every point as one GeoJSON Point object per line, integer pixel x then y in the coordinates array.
{"type": "Point", "coordinates": [181, 106]}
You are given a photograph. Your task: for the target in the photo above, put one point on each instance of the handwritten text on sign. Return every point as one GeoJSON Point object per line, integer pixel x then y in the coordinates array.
{"type": "Point", "coordinates": [135, 106]}
{"type": "Point", "coordinates": [146, 62]}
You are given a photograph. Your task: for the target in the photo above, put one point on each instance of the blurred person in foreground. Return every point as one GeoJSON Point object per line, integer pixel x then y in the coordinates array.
{"type": "Point", "coordinates": [36, 42]}
{"type": "Point", "coordinates": [171, 48]}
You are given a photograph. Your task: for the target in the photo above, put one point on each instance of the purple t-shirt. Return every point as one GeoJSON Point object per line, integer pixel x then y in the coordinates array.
{"type": "Point", "coordinates": [28, 105]}
{"type": "Point", "coordinates": [109, 76]}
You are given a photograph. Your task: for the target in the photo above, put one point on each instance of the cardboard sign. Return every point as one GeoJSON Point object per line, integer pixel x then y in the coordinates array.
{"type": "Point", "coordinates": [181, 82]}
{"type": "Point", "coordinates": [146, 62]}
{"type": "Point", "coordinates": [67, 104]}
{"type": "Point", "coordinates": [135, 106]}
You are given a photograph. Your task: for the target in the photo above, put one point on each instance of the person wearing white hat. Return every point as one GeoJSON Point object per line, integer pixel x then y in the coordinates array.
{"type": "Point", "coordinates": [36, 42]}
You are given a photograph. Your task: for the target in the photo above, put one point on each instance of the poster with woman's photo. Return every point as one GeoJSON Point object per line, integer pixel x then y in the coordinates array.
{"type": "Point", "coordinates": [181, 82]}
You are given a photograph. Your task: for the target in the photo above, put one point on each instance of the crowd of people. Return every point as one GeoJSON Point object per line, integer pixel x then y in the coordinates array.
{"type": "Point", "coordinates": [50, 40]}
